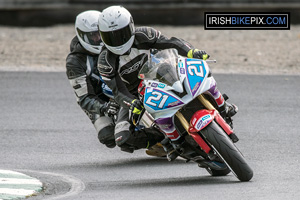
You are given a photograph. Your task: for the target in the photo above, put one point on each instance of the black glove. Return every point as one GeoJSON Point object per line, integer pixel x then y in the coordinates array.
{"type": "Point", "coordinates": [196, 53]}
{"type": "Point", "coordinates": [110, 108]}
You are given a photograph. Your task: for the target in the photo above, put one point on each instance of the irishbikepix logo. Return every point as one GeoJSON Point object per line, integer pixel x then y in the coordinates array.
{"type": "Point", "coordinates": [246, 21]}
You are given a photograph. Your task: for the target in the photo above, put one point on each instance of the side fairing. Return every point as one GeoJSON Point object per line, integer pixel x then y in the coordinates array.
{"type": "Point", "coordinates": [196, 76]}
{"type": "Point", "coordinates": [161, 103]}
{"type": "Point", "coordinates": [160, 99]}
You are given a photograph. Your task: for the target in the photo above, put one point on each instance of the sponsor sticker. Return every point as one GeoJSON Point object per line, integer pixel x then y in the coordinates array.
{"type": "Point", "coordinates": [175, 103]}
{"type": "Point", "coordinates": [182, 71]}
{"type": "Point", "coordinates": [180, 64]}
{"type": "Point", "coordinates": [154, 85]}
{"type": "Point", "coordinates": [161, 85]}
{"type": "Point", "coordinates": [203, 122]}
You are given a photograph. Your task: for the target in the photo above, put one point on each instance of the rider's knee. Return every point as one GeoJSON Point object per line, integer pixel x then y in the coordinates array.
{"type": "Point", "coordinates": [122, 133]}
{"type": "Point", "coordinates": [105, 127]}
{"type": "Point", "coordinates": [106, 136]}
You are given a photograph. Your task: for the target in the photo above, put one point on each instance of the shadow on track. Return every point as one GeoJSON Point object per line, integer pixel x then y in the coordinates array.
{"type": "Point", "coordinates": [141, 162]}
{"type": "Point", "coordinates": [162, 182]}
{"type": "Point", "coordinates": [126, 163]}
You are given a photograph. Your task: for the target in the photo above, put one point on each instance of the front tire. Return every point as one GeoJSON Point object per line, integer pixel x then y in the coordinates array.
{"type": "Point", "coordinates": [227, 151]}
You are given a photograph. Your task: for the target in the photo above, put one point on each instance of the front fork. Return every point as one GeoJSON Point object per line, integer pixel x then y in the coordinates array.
{"type": "Point", "coordinates": [194, 132]}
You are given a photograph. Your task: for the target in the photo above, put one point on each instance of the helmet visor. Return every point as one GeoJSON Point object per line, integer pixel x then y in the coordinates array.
{"type": "Point", "coordinates": [118, 37]}
{"type": "Point", "coordinates": [92, 38]}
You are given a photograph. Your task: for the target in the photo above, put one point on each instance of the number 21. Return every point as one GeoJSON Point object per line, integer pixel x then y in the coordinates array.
{"type": "Point", "coordinates": [159, 97]}
{"type": "Point", "coordinates": [193, 66]}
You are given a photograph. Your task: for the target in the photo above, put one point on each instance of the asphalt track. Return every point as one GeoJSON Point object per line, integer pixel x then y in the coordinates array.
{"type": "Point", "coordinates": [45, 135]}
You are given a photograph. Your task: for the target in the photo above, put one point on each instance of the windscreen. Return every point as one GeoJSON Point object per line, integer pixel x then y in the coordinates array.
{"type": "Point", "coordinates": [161, 67]}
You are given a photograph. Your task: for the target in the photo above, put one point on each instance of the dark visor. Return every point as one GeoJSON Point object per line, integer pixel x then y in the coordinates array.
{"type": "Point", "coordinates": [92, 38]}
{"type": "Point", "coordinates": [118, 37]}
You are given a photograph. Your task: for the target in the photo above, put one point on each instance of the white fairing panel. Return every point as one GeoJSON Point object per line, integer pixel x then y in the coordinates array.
{"type": "Point", "coordinates": [163, 99]}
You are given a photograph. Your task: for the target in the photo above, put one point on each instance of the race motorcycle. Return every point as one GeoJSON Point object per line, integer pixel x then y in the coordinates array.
{"type": "Point", "coordinates": [178, 97]}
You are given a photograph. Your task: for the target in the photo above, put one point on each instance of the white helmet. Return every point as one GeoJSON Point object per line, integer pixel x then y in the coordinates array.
{"type": "Point", "coordinates": [117, 29]}
{"type": "Point", "coordinates": [86, 27]}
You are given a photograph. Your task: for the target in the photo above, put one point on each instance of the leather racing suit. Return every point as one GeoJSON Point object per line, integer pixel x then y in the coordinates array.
{"type": "Point", "coordinates": [82, 72]}
{"type": "Point", "coordinates": [120, 73]}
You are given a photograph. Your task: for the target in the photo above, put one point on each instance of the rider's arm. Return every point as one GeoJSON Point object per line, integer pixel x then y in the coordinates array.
{"type": "Point", "coordinates": [81, 83]}
{"type": "Point", "coordinates": [106, 67]}
{"type": "Point", "coordinates": [155, 39]}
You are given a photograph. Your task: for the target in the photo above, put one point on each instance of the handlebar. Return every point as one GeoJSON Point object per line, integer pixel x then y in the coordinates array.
{"type": "Point", "coordinates": [211, 61]}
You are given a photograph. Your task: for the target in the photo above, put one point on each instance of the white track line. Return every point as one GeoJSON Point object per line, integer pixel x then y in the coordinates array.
{"type": "Point", "coordinates": [18, 181]}
{"type": "Point", "coordinates": [13, 185]}
{"type": "Point", "coordinates": [77, 186]}
{"type": "Point", "coordinates": [21, 192]}
{"type": "Point", "coordinates": [11, 172]}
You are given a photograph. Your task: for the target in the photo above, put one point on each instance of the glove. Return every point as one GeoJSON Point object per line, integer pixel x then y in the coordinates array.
{"type": "Point", "coordinates": [196, 53]}
{"type": "Point", "coordinates": [136, 107]}
{"type": "Point", "coordinates": [110, 108]}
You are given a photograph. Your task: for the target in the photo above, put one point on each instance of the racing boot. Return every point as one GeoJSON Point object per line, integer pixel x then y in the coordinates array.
{"type": "Point", "coordinates": [227, 110]}
{"type": "Point", "coordinates": [156, 150]}
{"type": "Point", "coordinates": [171, 152]}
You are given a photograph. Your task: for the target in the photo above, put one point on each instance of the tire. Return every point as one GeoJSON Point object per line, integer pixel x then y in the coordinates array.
{"type": "Point", "coordinates": [214, 172]}
{"type": "Point", "coordinates": [225, 148]}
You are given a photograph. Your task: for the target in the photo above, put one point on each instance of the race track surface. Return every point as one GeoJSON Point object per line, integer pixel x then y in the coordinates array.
{"type": "Point", "coordinates": [45, 134]}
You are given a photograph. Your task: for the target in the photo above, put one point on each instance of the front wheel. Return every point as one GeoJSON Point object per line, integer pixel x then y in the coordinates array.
{"type": "Point", "coordinates": [227, 151]}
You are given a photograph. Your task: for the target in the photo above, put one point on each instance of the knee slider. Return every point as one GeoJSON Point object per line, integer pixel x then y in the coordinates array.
{"type": "Point", "coordinates": [106, 136]}
{"type": "Point", "coordinates": [122, 133]}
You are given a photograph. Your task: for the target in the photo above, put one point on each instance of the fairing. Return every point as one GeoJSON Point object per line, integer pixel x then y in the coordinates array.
{"type": "Point", "coordinates": [172, 81]}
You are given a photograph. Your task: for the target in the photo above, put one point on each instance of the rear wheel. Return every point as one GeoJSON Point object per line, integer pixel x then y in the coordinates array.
{"type": "Point", "coordinates": [227, 151]}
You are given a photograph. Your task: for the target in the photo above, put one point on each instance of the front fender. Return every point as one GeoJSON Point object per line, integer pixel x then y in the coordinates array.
{"type": "Point", "coordinates": [201, 119]}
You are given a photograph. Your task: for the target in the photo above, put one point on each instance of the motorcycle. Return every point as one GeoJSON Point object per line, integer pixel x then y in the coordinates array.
{"type": "Point", "coordinates": [177, 94]}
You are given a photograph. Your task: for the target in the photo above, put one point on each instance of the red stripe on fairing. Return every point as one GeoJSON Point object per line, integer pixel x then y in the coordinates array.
{"type": "Point", "coordinates": [220, 101]}
{"type": "Point", "coordinates": [173, 136]}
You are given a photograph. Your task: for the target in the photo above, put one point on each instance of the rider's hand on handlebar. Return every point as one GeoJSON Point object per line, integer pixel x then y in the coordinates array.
{"type": "Point", "coordinates": [136, 107]}
{"type": "Point", "coordinates": [110, 108]}
{"type": "Point", "coordinates": [196, 53]}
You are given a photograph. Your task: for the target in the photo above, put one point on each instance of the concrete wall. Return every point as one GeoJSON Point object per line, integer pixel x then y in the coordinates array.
{"type": "Point", "coordinates": [173, 12]}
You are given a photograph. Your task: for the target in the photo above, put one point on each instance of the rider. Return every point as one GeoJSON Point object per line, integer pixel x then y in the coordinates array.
{"type": "Point", "coordinates": [126, 50]}
{"type": "Point", "coordinates": [82, 72]}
